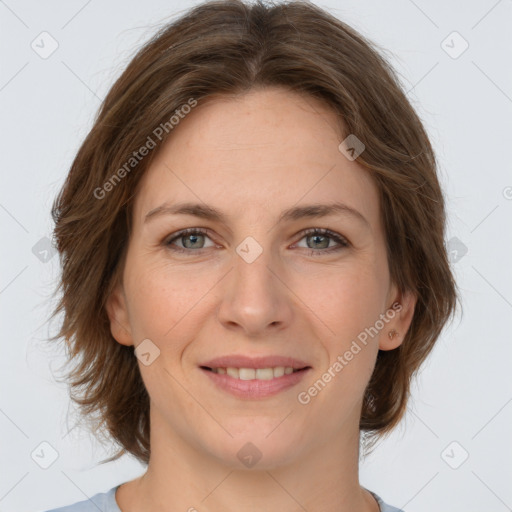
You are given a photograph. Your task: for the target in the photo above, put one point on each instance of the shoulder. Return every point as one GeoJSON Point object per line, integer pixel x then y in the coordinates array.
{"type": "Point", "coordinates": [384, 507]}
{"type": "Point", "coordinates": [104, 501]}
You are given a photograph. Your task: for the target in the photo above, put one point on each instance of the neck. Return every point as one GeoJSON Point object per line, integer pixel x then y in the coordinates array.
{"type": "Point", "coordinates": [182, 477]}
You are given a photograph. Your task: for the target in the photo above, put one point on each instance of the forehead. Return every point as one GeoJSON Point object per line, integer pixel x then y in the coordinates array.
{"type": "Point", "coordinates": [265, 150]}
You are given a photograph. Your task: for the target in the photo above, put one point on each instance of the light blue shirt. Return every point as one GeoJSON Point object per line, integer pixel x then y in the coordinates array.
{"type": "Point", "coordinates": [106, 502]}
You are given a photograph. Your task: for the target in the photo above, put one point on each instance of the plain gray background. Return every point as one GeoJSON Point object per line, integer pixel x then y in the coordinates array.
{"type": "Point", "coordinates": [453, 450]}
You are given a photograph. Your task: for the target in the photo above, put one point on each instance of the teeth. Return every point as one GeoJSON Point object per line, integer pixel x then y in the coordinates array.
{"type": "Point", "coordinates": [246, 373]}
{"type": "Point", "coordinates": [264, 374]}
{"type": "Point", "coordinates": [233, 372]}
{"type": "Point", "coordinates": [279, 371]}
{"type": "Point", "coordinates": [255, 374]}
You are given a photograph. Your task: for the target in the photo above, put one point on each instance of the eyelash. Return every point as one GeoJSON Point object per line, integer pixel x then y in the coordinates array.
{"type": "Point", "coordinates": [342, 241]}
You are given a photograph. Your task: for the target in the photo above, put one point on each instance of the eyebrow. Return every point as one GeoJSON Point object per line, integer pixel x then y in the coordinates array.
{"type": "Point", "coordinates": [204, 211]}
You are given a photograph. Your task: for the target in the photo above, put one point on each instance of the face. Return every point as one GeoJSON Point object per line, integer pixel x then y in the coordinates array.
{"type": "Point", "coordinates": [267, 283]}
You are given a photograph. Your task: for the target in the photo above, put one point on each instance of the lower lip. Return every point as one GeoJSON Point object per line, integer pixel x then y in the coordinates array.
{"type": "Point", "coordinates": [251, 389]}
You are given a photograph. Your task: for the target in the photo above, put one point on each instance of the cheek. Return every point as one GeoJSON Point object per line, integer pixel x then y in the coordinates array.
{"type": "Point", "coordinates": [351, 300]}
{"type": "Point", "coordinates": [164, 299]}
{"type": "Point", "coordinates": [349, 307]}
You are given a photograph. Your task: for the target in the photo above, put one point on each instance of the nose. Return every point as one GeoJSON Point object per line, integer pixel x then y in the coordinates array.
{"type": "Point", "coordinates": [255, 298]}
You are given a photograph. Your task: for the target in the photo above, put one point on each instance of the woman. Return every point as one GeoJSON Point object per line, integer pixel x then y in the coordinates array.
{"type": "Point", "coordinates": [252, 244]}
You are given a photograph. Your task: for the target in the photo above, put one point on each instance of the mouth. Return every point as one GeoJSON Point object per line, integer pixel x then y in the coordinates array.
{"type": "Point", "coordinates": [254, 378]}
{"type": "Point", "coordinates": [255, 373]}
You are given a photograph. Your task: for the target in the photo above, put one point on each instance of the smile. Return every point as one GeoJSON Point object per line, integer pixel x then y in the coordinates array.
{"type": "Point", "coordinates": [254, 383]}
{"type": "Point", "coordinates": [255, 373]}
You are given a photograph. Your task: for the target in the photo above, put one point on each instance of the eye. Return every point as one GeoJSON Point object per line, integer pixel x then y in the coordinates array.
{"type": "Point", "coordinates": [320, 240]}
{"type": "Point", "coordinates": [192, 238]}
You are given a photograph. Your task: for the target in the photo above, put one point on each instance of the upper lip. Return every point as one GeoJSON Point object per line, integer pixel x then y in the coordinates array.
{"type": "Point", "coordinates": [240, 361]}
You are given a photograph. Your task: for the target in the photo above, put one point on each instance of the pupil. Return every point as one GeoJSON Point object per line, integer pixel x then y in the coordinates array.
{"type": "Point", "coordinates": [316, 237]}
{"type": "Point", "coordinates": [192, 238]}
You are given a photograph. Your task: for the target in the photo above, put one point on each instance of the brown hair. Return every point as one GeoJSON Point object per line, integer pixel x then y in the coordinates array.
{"type": "Point", "coordinates": [228, 48]}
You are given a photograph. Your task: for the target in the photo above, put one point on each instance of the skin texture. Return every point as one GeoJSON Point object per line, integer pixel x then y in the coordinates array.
{"type": "Point", "coordinates": [252, 157]}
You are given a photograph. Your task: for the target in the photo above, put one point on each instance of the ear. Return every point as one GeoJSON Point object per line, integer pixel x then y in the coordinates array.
{"type": "Point", "coordinates": [400, 313]}
{"type": "Point", "coordinates": [118, 315]}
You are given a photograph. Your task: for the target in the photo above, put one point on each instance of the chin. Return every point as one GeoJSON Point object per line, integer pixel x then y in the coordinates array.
{"type": "Point", "coordinates": [258, 447]}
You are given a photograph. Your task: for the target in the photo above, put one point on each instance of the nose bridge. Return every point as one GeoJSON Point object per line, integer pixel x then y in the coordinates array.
{"type": "Point", "coordinates": [251, 268]}
{"type": "Point", "coordinates": [252, 279]}
{"type": "Point", "coordinates": [253, 298]}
